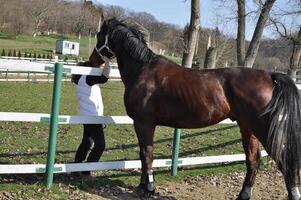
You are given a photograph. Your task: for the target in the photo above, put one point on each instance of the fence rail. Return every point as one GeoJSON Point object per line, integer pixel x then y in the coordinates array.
{"type": "Point", "coordinates": [25, 66]}
{"type": "Point", "coordinates": [54, 119]}
{"type": "Point", "coordinates": [67, 119]}
{"type": "Point", "coordinates": [126, 164]}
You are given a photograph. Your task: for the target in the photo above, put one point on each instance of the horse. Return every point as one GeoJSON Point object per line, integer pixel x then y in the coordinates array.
{"type": "Point", "coordinates": [265, 105]}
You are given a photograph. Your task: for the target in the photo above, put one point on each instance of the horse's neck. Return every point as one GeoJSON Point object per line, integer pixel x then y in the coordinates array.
{"type": "Point", "coordinates": [129, 69]}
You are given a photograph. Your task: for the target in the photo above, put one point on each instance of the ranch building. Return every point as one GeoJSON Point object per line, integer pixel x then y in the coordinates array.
{"type": "Point", "coordinates": [67, 47]}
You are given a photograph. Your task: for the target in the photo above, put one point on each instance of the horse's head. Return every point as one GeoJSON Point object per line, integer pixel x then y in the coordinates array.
{"type": "Point", "coordinates": [115, 36]}
{"type": "Point", "coordinates": [103, 49]}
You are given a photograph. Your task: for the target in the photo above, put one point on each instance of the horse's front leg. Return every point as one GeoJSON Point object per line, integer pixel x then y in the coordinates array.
{"type": "Point", "coordinates": [145, 135]}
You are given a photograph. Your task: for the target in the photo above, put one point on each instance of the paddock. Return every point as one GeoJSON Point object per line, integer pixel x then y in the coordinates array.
{"type": "Point", "coordinates": [23, 117]}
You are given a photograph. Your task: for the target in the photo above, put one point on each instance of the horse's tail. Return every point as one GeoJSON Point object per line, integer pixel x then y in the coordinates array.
{"type": "Point", "coordinates": [284, 133]}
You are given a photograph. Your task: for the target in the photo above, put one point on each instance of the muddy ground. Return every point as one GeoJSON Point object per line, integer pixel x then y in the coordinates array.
{"type": "Point", "coordinates": [269, 185]}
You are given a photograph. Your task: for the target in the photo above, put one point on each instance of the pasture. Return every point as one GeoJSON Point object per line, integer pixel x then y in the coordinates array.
{"type": "Point", "coordinates": [41, 44]}
{"type": "Point", "coordinates": [27, 142]}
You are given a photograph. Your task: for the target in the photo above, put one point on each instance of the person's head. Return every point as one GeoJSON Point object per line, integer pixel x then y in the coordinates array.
{"type": "Point", "coordinates": [76, 77]}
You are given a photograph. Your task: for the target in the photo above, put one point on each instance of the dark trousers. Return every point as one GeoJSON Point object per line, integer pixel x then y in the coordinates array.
{"type": "Point", "coordinates": [93, 133]}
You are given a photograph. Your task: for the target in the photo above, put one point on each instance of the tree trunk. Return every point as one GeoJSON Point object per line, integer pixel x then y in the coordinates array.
{"type": "Point", "coordinates": [294, 60]}
{"type": "Point", "coordinates": [36, 28]}
{"type": "Point", "coordinates": [211, 52]}
{"type": "Point", "coordinates": [192, 34]}
{"type": "Point", "coordinates": [241, 32]}
{"type": "Point", "coordinates": [254, 45]}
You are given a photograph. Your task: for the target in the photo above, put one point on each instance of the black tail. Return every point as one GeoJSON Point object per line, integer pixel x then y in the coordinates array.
{"type": "Point", "coordinates": [284, 137]}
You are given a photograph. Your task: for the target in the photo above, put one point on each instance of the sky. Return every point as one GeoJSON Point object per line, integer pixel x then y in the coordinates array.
{"type": "Point", "coordinates": [178, 12]}
{"type": "Point", "coordinates": [169, 11]}
{"type": "Point", "coordinates": [174, 11]}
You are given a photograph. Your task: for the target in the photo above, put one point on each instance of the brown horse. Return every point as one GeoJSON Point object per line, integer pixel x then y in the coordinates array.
{"type": "Point", "coordinates": [160, 92]}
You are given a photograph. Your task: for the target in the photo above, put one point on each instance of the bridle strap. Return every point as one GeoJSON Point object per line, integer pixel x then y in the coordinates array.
{"type": "Point", "coordinates": [105, 46]}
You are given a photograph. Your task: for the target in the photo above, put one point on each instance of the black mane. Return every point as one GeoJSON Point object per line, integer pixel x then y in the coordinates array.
{"type": "Point", "coordinates": [130, 40]}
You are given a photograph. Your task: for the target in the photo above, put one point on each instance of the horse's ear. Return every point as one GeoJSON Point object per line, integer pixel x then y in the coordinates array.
{"type": "Point", "coordinates": [100, 22]}
{"type": "Point", "coordinates": [104, 27]}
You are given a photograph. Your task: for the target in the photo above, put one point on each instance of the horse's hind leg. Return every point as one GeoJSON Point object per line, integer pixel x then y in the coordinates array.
{"type": "Point", "coordinates": [251, 148]}
{"type": "Point", "coordinates": [292, 188]}
{"type": "Point", "coordinates": [145, 135]}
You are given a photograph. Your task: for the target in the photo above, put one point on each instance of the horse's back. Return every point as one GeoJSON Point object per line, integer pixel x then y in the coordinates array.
{"type": "Point", "coordinates": [175, 96]}
{"type": "Point", "coordinates": [189, 98]}
{"type": "Point", "coordinates": [248, 92]}
{"type": "Point", "coordinates": [251, 86]}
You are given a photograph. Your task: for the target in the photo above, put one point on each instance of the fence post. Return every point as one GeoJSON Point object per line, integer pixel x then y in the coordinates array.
{"type": "Point", "coordinates": [175, 151]}
{"type": "Point", "coordinates": [6, 75]}
{"type": "Point", "coordinates": [56, 95]}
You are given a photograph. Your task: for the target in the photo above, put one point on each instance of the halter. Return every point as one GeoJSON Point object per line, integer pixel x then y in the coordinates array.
{"type": "Point", "coordinates": [104, 51]}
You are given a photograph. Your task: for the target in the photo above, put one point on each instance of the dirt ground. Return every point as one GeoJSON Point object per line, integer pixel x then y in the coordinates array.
{"type": "Point", "coordinates": [269, 185]}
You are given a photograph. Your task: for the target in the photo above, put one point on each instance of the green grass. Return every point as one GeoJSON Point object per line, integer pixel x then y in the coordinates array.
{"type": "Point", "coordinates": [41, 44]}
{"type": "Point", "coordinates": [27, 142]}
{"type": "Point", "coordinates": [45, 44]}
{"type": "Point", "coordinates": [177, 60]}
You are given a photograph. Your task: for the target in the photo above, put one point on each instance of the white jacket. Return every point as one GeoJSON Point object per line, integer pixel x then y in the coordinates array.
{"type": "Point", "coordinates": [90, 100]}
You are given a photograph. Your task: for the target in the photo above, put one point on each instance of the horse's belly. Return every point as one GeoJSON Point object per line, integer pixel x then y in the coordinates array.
{"type": "Point", "coordinates": [192, 120]}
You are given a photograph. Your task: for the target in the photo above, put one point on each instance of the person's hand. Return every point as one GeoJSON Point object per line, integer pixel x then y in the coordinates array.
{"type": "Point", "coordinates": [105, 59]}
{"type": "Point", "coordinates": [106, 69]}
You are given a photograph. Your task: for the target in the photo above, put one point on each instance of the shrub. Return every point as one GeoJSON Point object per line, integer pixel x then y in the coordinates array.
{"type": "Point", "coordinates": [25, 54]}
{"type": "Point", "coordinates": [34, 55]}
{"type": "Point", "coordinates": [30, 55]}
{"type": "Point", "coordinates": [15, 53]}
{"type": "Point", "coordinates": [19, 54]}
{"type": "Point", "coordinates": [9, 53]}
{"type": "Point", "coordinates": [3, 52]}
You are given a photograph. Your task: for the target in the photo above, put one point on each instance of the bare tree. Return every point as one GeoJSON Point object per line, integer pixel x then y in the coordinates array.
{"type": "Point", "coordinates": [211, 53]}
{"type": "Point", "coordinates": [241, 31]}
{"type": "Point", "coordinates": [38, 10]}
{"type": "Point", "coordinates": [246, 57]}
{"type": "Point", "coordinates": [254, 44]}
{"type": "Point", "coordinates": [295, 40]}
{"type": "Point", "coordinates": [191, 34]}
{"type": "Point", "coordinates": [290, 32]}
{"type": "Point", "coordinates": [115, 11]}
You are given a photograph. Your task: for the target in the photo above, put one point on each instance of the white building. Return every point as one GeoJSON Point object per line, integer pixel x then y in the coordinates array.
{"type": "Point", "coordinates": [66, 47]}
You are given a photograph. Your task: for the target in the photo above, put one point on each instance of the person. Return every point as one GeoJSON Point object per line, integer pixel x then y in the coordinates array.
{"type": "Point", "coordinates": [90, 104]}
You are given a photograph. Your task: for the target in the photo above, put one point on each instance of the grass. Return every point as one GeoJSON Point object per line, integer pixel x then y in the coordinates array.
{"type": "Point", "coordinates": [177, 60]}
{"type": "Point", "coordinates": [41, 44]}
{"type": "Point", "coordinates": [27, 142]}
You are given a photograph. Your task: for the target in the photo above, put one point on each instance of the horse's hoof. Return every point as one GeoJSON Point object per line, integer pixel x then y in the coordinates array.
{"type": "Point", "coordinates": [239, 198]}
{"type": "Point", "coordinates": [150, 187]}
{"type": "Point", "coordinates": [148, 194]}
{"type": "Point", "coordinates": [243, 196]}
{"type": "Point", "coordinates": [145, 191]}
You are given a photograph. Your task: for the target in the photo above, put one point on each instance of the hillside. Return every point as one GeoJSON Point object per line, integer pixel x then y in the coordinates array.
{"type": "Point", "coordinates": [41, 44]}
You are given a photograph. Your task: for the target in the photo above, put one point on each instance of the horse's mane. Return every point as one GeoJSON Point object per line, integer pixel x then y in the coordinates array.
{"type": "Point", "coordinates": [130, 40]}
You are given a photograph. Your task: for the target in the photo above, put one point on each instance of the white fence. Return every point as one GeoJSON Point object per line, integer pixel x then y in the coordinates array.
{"type": "Point", "coordinates": [40, 68]}
{"type": "Point", "coordinates": [63, 119]}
